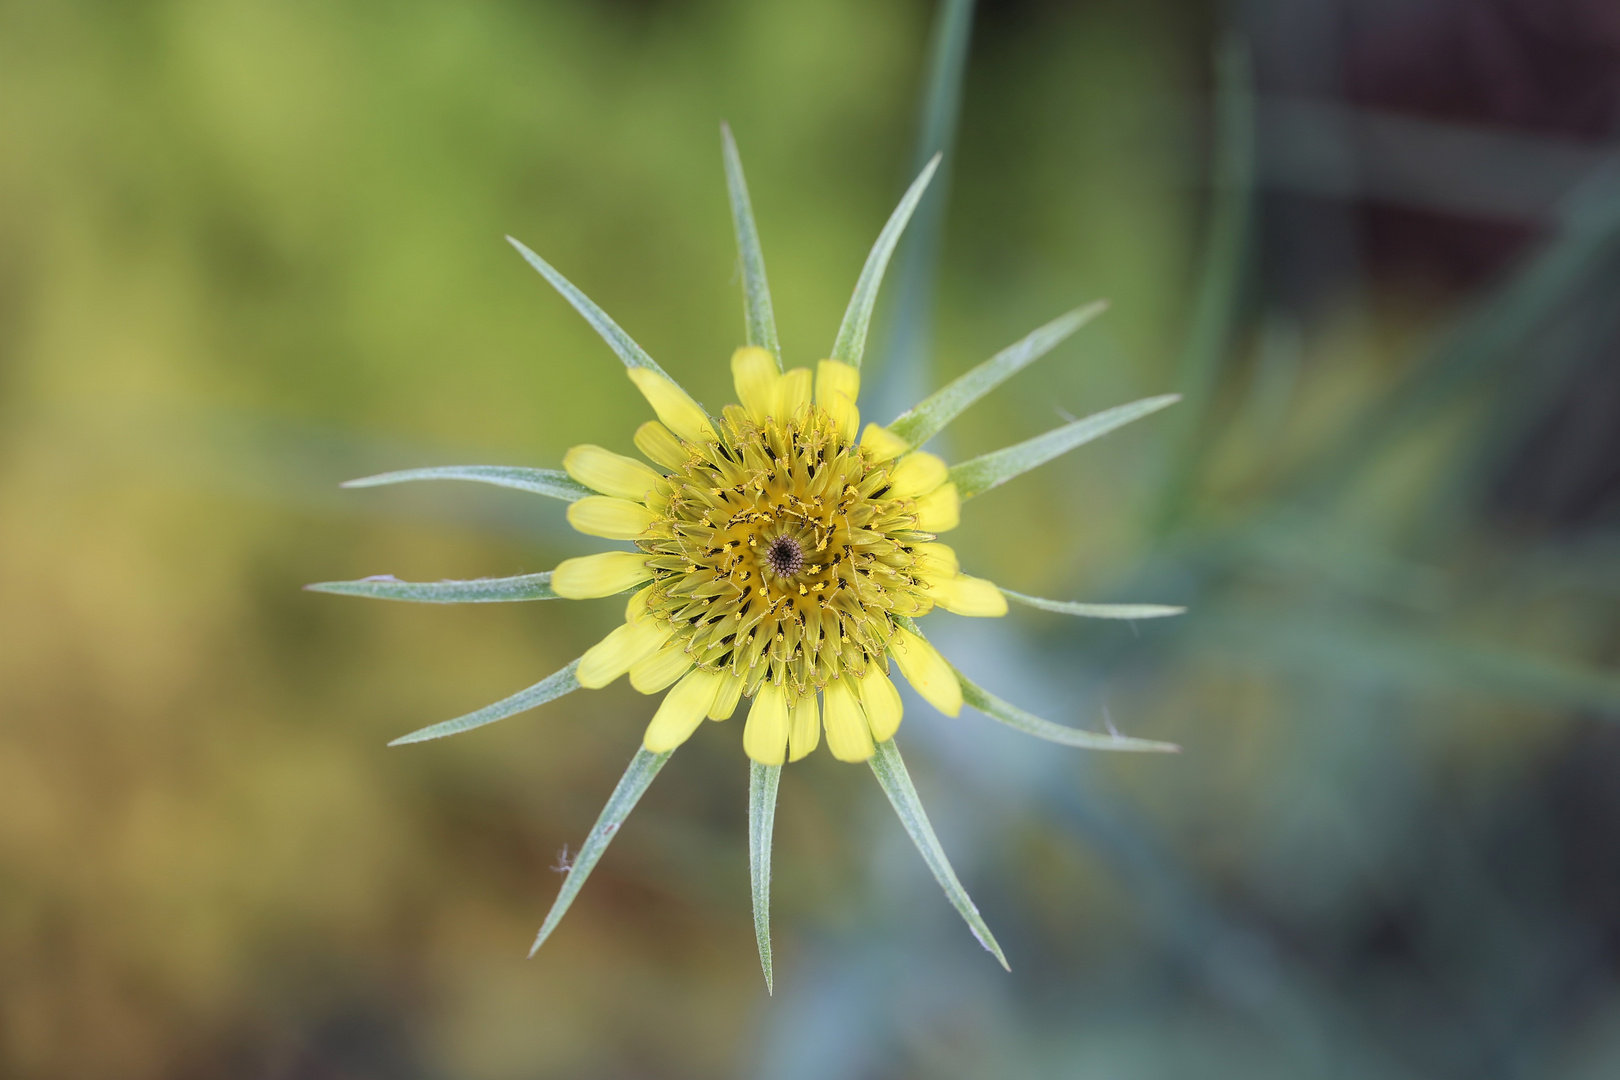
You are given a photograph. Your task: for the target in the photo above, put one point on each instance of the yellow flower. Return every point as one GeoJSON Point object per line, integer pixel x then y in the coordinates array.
{"type": "Point", "coordinates": [776, 550]}
{"type": "Point", "coordinates": [780, 555]}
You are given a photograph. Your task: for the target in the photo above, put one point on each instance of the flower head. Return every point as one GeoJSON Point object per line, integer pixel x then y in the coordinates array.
{"type": "Point", "coordinates": [779, 553]}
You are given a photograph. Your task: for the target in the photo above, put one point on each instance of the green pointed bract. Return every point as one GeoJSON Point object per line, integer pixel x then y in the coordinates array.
{"type": "Point", "coordinates": [1030, 724]}
{"type": "Point", "coordinates": [896, 782]}
{"type": "Point", "coordinates": [1096, 611]}
{"type": "Point", "coordinates": [550, 482]}
{"type": "Point", "coordinates": [550, 688]}
{"type": "Point", "coordinates": [480, 591]}
{"type": "Point", "coordinates": [760, 320]}
{"type": "Point", "coordinates": [643, 767]}
{"type": "Point", "coordinates": [992, 470]}
{"type": "Point", "coordinates": [762, 783]}
{"type": "Point", "coordinates": [633, 355]}
{"type": "Point", "coordinates": [917, 425]}
{"type": "Point", "coordinates": [851, 340]}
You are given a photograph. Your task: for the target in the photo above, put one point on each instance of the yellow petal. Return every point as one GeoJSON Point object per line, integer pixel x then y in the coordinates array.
{"type": "Point", "coordinates": [615, 519]}
{"type": "Point", "coordinates": [883, 443]}
{"type": "Point", "coordinates": [725, 701]}
{"type": "Point", "coordinates": [882, 704]}
{"type": "Point", "coordinates": [660, 444]}
{"type": "Point", "coordinates": [610, 473]}
{"type": "Point", "coordinates": [755, 374]}
{"type": "Point", "coordinates": [682, 710]}
{"type": "Point", "coordinates": [804, 727]}
{"type": "Point", "coordinates": [940, 510]}
{"type": "Point", "coordinates": [793, 393]}
{"type": "Point", "coordinates": [615, 654]}
{"type": "Point", "coordinates": [673, 405]}
{"type": "Point", "coordinates": [837, 387]}
{"type": "Point", "coordinates": [848, 737]}
{"type": "Point", "coordinates": [637, 607]}
{"type": "Point", "coordinates": [590, 576]}
{"type": "Point", "coordinates": [936, 561]}
{"type": "Point", "coordinates": [652, 673]}
{"type": "Point", "coordinates": [926, 671]}
{"type": "Point", "coordinates": [765, 736]}
{"type": "Point", "coordinates": [917, 474]}
{"type": "Point", "coordinates": [969, 596]}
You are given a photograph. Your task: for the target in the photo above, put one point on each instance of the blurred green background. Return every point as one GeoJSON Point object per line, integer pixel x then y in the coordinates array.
{"type": "Point", "coordinates": [249, 249]}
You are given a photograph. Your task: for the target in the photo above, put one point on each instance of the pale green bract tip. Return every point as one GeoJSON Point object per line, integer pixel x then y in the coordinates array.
{"type": "Point", "coordinates": [762, 785]}
{"type": "Point", "coordinates": [478, 591]}
{"type": "Point", "coordinates": [992, 470]}
{"type": "Point", "coordinates": [928, 418]}
{"type": "Point", "coordinates": [643, 767]}
{"type": "Point", "coordinates": [1030, 724]}
{"type": "Point", "coordinates": [896, 782]}
{"type": "Point", "coordinates": [851, 340]}
{"type": "Point", "coordinates": [1096, 611]}
{"type": "Point", "coordinates": [758, 317]}
{"type": "Point", "coordinates": [549, 482]}
{"type": "Point", "coordinates": [550, 688]}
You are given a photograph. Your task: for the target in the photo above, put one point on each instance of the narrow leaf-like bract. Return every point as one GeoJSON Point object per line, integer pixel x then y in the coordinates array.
{"type": "Point", "coordinates": [927, 419]}
{"type": "Point", "coordinates": [992, 470]}
{"type": "Point", "coordinates": [550, 688]}
{"type": "Point", "coordinates": [481, 591]}
{"type": "Point", "coordinates": [1096, 611]}
{"type": "Point", "coordinates": [891, 773]}
{"type": "Point", "coordinates": [762, 782]}
{"type": "Point", "coordinates": [851, 340]}
{"type": "Point", "coordinates": [633, 355]}
{"type": "Point", "coordinates": [553, 482]}
{"type": "Point", "coordinates": [757, 314]}
{"type": "Point", "coordinates": [643, 767]}
{"type": "Point", "coordinates": [1030, 724]}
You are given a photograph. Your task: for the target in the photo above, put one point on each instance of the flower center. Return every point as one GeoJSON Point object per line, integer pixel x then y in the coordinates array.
{"type": "Point", "coordinates": [777, 556]}
{"type": "Point", "coordinates": [785, 557]}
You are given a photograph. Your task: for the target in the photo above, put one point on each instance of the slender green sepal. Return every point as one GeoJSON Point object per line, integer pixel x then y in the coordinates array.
{"type": "Point", "coordinates": [757, 314]}
{"type": "Point", "coordinates": [481, 591]}
{"type": "Point", "coordinates": [633, 355]}
{"type": "Point", "coordinates": [992, 470]}
{"type": "Point", "coordinates": [851, 341]}
{"type": "Point", "coordinates": [550, 688]}
{"type": "Point", "coordinates": [1030, 724]}
{"type": "Point", "coordinates": [553, 482]}
{"type": "Point", "coordinates": [1096, 611]}
{"type": "Point", "coordinates": [891, 773]}
{"type": "Point", "coordinates": [643, 767]}
{"type": "Point", "coordinates": [927, 419]}
{"type": "Point", "coordinates": [762, 782]}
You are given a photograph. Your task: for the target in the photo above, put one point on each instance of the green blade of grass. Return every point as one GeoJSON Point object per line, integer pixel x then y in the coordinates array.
{"type": "Point", "coordinates": [633, 355]}
{"type": "Point", "coordinates": [480, 591]}
{"type": "Point", "coordinates": [758, 318]}
{"type": "Point", "coordinates": [928, 418]}
{"type": "Point", "coordinates": [762, 784]}
{"type": "Point", "coordinates": [979, 475]}
{"type": "Point", "coordinates": [550, 482]}
{"type": "Point", "coordinates": [1096, 611]}
{"type": "Point", "coordinates": [851, 340]}
{"type": "Point", "coordinates": [896, 782]}
{"type": "Point", "coordinates": [550, 688]}
{"type": "Point", "coordinates": [643, 767]}
{"type": "Point", "coordinates": [1220, 281]}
